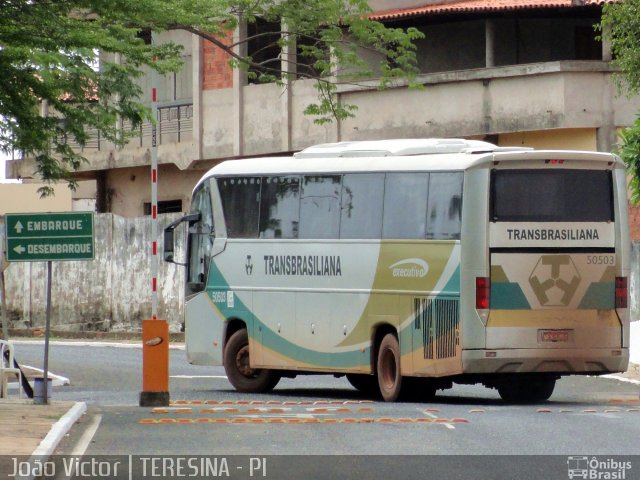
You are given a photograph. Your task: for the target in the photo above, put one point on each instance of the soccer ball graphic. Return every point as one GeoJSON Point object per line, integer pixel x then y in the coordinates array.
{"type": "Point", "coordinates": [554, 280]}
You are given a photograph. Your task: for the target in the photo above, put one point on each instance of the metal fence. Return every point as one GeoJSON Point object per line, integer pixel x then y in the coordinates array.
{"type": "Point", "coordinates": [174, 125]}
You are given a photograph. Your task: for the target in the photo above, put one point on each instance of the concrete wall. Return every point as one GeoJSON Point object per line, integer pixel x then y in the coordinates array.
{"type": "Point", "coordinates": [634, 283]}
{"type": "Point", "coordinates": [130, 188]}
{"type": "Point", "coordinates": [561, 139]}
{"type": "Point", "coordinates": [110, 293]}
{"type": "Point", "coordinates": [569, 94]}
{"type": "Point", "coordinates": [24, 198]}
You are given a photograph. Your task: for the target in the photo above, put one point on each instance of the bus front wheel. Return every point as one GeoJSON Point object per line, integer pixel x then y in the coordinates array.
{"type": "Point", "coordinates": [389, 376]}
{"type": "Point", "coordinates": [238, 368]}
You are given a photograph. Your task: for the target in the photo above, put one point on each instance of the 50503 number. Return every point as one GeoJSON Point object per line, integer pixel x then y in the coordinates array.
{"type": "Point", "coordinates": [601, 259]}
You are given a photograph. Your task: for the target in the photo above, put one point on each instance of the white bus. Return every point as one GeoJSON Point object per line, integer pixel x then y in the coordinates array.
{"type": "Point", "coordinates": [408, 265]}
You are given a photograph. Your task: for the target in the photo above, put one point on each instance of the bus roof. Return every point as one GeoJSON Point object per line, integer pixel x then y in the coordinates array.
{"type": "Point", "coordinates": [397, 155]}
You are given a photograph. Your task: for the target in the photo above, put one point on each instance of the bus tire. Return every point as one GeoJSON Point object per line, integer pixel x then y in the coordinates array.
{"type": "Point", "coordinates": [524, 390]}
{"type": "Point", "coordinates": [367, 384]}
{"type": "Point", "coordinates": [388, 363]}
{"type": "Point", "coordinates": [237, 366]}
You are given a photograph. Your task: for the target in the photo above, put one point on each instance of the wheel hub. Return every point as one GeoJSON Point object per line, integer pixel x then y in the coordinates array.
{"type": "Point", "coordinates": [242, 361]}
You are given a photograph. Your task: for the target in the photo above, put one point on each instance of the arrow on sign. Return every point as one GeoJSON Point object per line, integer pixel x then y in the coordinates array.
{"type": "Point", "coordinates": [19, 227]}
{"type": "Point", "coordinates": [19, 249]}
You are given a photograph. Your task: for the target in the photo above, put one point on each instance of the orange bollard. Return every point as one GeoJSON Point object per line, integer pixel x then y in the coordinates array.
{"type": "Point", "coordinates": [155, 363]}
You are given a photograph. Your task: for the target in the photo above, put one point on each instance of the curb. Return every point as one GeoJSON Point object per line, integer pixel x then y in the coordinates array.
{"type": "Point", "coordinates": [60, 429]}
{"type": "Point", "coordinates": [84, 335]}
{"type": "Point", "coordinates": [620, 378]}
{"type": "Point", "coordinates": [47, 446]}
{"type": "Point", "coordinates": [91, 343]}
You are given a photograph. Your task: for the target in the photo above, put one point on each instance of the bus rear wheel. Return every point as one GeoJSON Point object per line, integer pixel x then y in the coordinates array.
{"type": "Point", "coordinates": [367, 384]}
{"type": "Point", "coordinates": [527, 390]}
{"type": "Point", "coordinates": [238, 367]}
{"type": "Point", "coordinates": [389, 376]}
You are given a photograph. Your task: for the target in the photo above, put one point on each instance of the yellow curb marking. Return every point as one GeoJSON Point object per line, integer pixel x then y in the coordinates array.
{"type": "Point", "coordinates": [329, 409]}
{"type": "Point", "coordinates": [172, 410]}
{"type": "Point", "coordinates": [249, 421]}
{"type": "Point", "coordinates": [220, 410]}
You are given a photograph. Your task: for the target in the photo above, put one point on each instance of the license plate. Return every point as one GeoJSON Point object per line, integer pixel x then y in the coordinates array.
{"type": "Point", "coordinates": [554, 335]}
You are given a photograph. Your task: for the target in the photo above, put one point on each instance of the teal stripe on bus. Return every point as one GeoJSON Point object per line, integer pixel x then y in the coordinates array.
{"type": "Point", "coordinates": [508, 296]}
{"type": "Point", "coordinates": [600, 295]}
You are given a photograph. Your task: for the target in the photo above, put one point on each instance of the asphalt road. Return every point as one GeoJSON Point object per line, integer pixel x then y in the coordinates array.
{"type": "Point", "coordinates": [322, 415]}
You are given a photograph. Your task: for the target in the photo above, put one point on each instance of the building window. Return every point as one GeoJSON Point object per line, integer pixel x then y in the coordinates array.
{"type": "Point", "coordinates": [264, 51]}
{"type": "Point", "coordinates": [588, 47]}
{"type": "Point", "coordinates": [145, 35]}
{"type": "Point", "coordinates": [164, 206]}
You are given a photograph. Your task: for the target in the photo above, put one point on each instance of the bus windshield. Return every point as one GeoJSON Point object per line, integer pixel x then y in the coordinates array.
{"type": "Point", "coordinates": [551, 196]}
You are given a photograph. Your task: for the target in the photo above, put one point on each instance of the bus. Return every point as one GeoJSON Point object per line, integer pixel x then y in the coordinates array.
{"type": "Point", "coordinates": [409, 265]}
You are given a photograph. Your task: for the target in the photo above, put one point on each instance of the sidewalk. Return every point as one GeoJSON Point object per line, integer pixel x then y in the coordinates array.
{"type": "Point", "coordinates": [33, 429]}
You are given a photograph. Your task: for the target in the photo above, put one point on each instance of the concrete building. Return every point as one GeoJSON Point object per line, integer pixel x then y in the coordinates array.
{"type": "Point", "coordinates": [512, 72]}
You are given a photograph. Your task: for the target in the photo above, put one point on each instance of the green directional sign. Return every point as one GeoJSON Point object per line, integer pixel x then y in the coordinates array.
{"type": "Point", "coordinates": [34, 237]}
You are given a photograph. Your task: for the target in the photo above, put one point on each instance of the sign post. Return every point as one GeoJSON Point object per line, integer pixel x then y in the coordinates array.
{"type": "Point", "coordinates": [34, 237]}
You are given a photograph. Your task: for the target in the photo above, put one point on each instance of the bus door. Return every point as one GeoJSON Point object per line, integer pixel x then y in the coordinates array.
{"type": "Point", "coordinates": [204, 323]}
{"type": "Point", "coordinates": [199, 241]}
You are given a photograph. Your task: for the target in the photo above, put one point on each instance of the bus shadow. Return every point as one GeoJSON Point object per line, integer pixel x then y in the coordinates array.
{"type": "Point", "coordinates": [346, 395]}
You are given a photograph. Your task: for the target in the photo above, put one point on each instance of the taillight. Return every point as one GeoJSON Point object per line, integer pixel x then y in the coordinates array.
{"type": "Point", "coordinates": [483, 292]}
{"type": "Point", "coordinates": [622, 292]}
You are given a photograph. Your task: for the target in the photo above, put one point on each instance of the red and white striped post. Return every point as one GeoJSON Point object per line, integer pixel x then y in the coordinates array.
{"type": "Point", "coordinates": [154, 208]}
{"type": "Point", "coordinates": [155, 333]}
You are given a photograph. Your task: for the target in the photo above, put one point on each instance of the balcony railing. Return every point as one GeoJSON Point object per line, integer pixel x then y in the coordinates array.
{"type": "Point", "coordinates": [174, 125]}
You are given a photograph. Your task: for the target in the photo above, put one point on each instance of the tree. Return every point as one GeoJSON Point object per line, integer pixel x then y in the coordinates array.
{"type": "Point", "coordinates": [621, 26]}
{"type": "Point", "coordinates": [49, 51]}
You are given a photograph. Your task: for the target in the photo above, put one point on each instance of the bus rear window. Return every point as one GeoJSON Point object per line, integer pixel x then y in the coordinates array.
{"type": "Point", "coordinates": [551, 196]}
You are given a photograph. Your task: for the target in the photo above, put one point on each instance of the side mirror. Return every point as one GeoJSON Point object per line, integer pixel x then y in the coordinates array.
{"type": "Point", "coordinates": [168, 245]}
{"type": "Point", "coordinates": [169, 237]}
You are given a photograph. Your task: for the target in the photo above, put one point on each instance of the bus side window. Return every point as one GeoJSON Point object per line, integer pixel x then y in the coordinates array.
{"type": "Point", "coordinates": [240, 198]}
{"type": "Point", "coordinates": [362, 196]}
{"type": "Point", "coordinates": [445, 206]}
{"type": "Point", "coordinates": [405, 205]}
{"type": "Point", "coordinates": [320, 206]}
{"type": "Point", "coordinates": [201, 236]}
{"type": "Point", "coordinates": [280, 207]}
